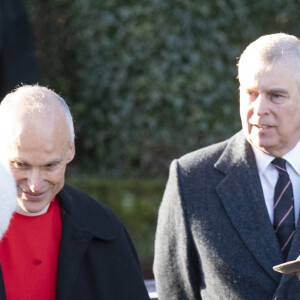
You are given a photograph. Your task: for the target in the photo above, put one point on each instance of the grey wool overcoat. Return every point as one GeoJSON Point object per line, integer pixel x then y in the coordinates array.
{"type": "Point", "coordinates": [214, 237]}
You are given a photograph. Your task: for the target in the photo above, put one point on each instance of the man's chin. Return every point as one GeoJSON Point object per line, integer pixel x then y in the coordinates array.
{"type": "Point", "coordinates": [269, 148]}
{"type": "Point", "coordinates": [31, 208]}
{"type": "Point", "coordinates": [261, 142]}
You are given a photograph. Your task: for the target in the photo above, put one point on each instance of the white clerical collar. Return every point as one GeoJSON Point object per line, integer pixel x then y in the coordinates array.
{"type": "Point", "coordinates": [21, 211]}
{"type": "Point", "coordinates": [292, 157]}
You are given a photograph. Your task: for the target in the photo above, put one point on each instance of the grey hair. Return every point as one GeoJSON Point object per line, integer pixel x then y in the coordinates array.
{"type": "Point", "coordinates": [37, 96]}
{"type": "Point", "coordinates": [271, 49]}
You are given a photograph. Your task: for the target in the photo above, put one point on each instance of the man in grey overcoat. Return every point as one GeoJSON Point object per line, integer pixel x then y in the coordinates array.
{"type": "Point", "coordinates": [220, 231]}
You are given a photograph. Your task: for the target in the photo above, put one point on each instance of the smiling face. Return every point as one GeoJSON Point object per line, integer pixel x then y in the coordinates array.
{"type": "Point", "coordinates": [38, 151]}
{"type": "Point", "coordinates": [270, 107]}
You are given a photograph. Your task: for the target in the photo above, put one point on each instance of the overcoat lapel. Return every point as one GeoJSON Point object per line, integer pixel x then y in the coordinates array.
{"type": "Point", "coordinates": [241, 194]}
{"type": "Point", "coordinates": [77, 234]}
{"type": "Point", "coordinates": [74, 243]}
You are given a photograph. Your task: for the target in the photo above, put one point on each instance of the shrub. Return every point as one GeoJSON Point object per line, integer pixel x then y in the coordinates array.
{"type": "Point", "coordinates": [149, 80]}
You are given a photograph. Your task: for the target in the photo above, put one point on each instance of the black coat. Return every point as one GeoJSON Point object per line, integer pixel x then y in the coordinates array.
{"type": "Point", "coordinates": [97, 259]}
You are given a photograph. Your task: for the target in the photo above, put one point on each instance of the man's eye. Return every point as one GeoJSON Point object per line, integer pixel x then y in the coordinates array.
{"type": "Point", "coordinates": [277, 98]}
{"type": "Point", "coordinates": [18, 164]}
{"type": "Point", "coordinates": [51, 166]}
{"type": "Point", "coordinates": [252, 95]}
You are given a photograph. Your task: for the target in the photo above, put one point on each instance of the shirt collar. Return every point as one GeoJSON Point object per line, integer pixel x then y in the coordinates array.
{"type": "Point", "coordinates": [293, 158]}
{"type": "Point", "coordinates": [263, 160]}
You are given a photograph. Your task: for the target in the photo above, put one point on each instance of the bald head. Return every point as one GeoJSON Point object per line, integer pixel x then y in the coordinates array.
{"type": "Point", "coordinates": [33, 104]}
{"type": "Point", "coordinates": [37, 142]}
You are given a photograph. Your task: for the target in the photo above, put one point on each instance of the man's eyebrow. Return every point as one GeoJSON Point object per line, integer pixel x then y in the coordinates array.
{"type": "Point", "coordinates": [248, 88]}
{"type": "Point", "coordinates": [25, 163]}
{"type": "Point", "coordinates": [19, 161]}
{"type": "Point", "coordinates": [55, 161]}
{"type": "Point", "coordinates": [278, 91]}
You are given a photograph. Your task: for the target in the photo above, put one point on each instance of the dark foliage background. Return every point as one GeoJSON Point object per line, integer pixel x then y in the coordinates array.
{"type": "Point", "coordinates": [147, 81]}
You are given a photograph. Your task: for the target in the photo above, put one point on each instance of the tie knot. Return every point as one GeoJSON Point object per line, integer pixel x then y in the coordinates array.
{"type": "Point", "coordinates": [279, 163]}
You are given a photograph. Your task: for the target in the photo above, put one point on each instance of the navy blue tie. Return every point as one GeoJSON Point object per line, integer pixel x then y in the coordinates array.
{"type": "Point", "coordinates": [284, 216]}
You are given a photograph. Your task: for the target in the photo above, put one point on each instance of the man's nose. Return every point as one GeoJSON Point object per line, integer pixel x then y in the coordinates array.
{"type": "Point", "coordinates": [34, 180]}
{"type": "Point", "coordinates": [261, 105]}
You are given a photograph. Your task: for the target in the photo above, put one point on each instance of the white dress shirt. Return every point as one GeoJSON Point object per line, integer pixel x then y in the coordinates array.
{"type": "Point", "coordinates": [268, 176]}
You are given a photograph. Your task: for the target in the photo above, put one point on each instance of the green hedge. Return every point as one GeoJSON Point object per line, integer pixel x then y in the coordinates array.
{"type": "Point", "coordinates": [149, 80]}
{"type": "Point", "coordinates": [136, 203]}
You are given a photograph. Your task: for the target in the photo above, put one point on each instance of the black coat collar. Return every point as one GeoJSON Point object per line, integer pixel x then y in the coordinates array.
{"type": "Point", "coordinates": [88, 214]}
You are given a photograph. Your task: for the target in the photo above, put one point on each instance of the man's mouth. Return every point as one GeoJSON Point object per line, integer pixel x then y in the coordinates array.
{"type": "Point", "coordinates": [262, 126]}
{"type": "Point", "coordinates": [32, 196]}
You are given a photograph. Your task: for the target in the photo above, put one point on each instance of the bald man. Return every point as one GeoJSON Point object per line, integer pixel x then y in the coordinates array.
{"type": "Point", "coordinates": [61, 243]}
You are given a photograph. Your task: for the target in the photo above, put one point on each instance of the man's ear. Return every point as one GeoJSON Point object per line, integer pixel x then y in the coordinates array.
{"type": "Point", "coordinates": [71, 153]}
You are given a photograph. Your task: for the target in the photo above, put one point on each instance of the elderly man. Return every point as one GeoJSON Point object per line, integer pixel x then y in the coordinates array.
{"type": "Point", "coordinates": [61, 243]}
{"type": "Point", "coordinates": [230, 210]}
